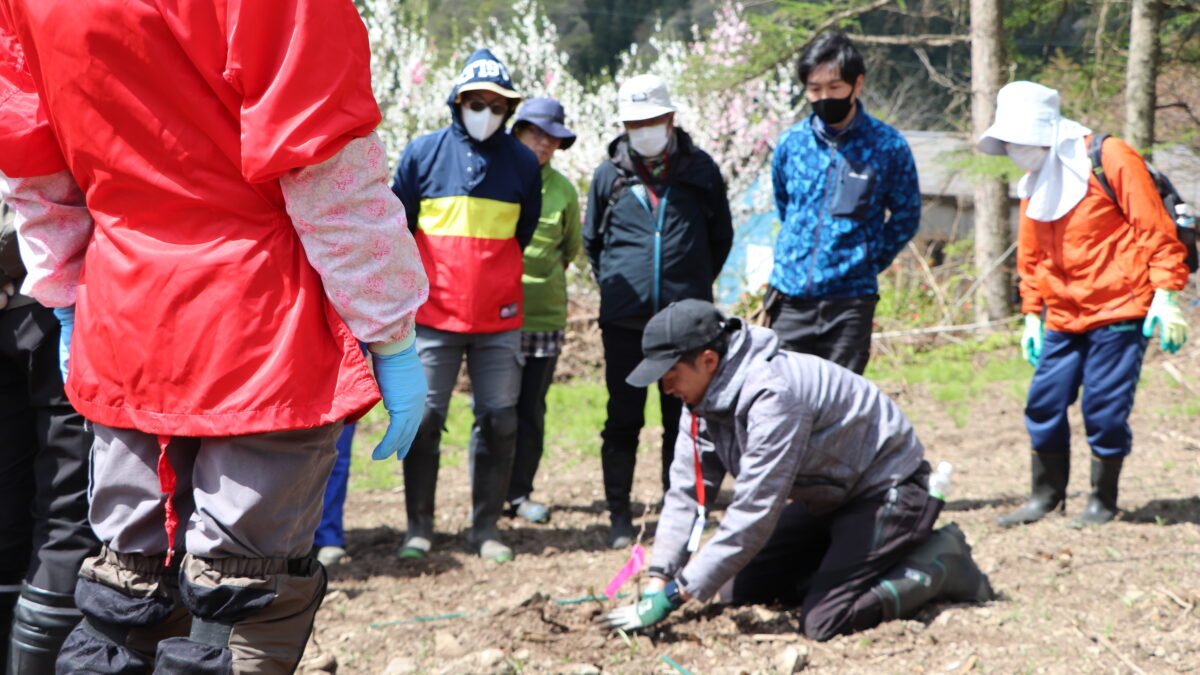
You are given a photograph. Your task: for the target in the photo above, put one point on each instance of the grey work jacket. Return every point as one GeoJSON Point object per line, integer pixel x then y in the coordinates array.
{"type": "Point", "coordinates": [785, 426]}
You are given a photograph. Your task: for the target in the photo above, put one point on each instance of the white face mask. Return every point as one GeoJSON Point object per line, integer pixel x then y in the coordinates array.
{"type": "Point", "coordinates": [1027, 157]}
{"type": "Point", "coordinates": [482, 124]}
{"type": "Point", "coordinates": [649, 141]}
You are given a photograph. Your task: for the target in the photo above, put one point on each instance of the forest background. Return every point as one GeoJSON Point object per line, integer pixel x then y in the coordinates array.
{"type": "Point", "coordinates": [731, 69]}
{"type": "Point", "coordinates": [731, 64]}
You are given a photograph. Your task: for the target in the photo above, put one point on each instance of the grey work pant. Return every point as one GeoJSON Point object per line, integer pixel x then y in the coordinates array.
{"type": "Point", "coordinates": [494, 363]}
{"type": "Point", "coordinates": [243, 592]}
{"type": "Point", "coordinates": [251, 496]}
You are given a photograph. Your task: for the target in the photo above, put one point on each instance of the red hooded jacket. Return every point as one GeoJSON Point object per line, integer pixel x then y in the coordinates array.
{"type": "Point", "coordinates": [198, 313]}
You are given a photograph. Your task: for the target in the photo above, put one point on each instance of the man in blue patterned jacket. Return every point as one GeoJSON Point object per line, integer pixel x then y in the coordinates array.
{"type": "Point", "coordinates": [846, 190]}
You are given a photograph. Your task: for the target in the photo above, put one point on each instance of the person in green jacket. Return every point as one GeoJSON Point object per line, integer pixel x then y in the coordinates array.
{"type": "Point", "coordinates": [557, 240]}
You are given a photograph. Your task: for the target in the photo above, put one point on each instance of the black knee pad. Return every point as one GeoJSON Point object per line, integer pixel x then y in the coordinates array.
{"type": "Point", "coordinates": [432, 425]}
{"type": "Point", "coordinates": [129, 603]}
{"type": "Point", "coordinates": [250, 614]}
{"type": "Point", "coordinates": [497, 423]}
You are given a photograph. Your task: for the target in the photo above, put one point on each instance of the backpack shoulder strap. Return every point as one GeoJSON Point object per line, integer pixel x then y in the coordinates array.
{"type": "Point", "coordinates": [620, 186]}
{"type": "Point", "coordinates": [1095, 153]}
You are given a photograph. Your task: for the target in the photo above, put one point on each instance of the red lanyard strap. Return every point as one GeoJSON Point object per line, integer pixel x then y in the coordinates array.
{"type": "Point", "coordinates": [696, 456]}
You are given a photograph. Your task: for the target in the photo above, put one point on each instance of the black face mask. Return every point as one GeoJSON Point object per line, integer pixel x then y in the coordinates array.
{"type": "Point", "coordinates": [832, 110]}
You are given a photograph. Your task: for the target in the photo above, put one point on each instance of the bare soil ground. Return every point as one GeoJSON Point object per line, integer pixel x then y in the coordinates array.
{"type": "Point", "coordinates": [1117, 599]}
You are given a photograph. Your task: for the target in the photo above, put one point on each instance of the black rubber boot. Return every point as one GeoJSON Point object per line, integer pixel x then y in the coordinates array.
{"type": "Point", "coordinates": [620, 531]}
{"type": "Point", "coordinates": [618, 458]}
{"type": "Point", "coordinates": [1102, 503]}
{"type": "Point", "coordinates": [420, 485]}
{"type": "Point", "coordinates": [43, 620]}
{"type": "Point", "coordinates": [8, 600]}
{"type": "Point", "coordinates": [493, 445]}
{"type": "Point", "coordinates": [1050, 473]}
{"type": "Point", "coordinates": [941, 567]}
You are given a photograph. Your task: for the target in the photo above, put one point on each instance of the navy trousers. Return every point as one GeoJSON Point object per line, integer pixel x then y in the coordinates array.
{"type": "Point", "coordinates": [330, 531]}
{"type": "Point", "coordinates": [1107, 363]}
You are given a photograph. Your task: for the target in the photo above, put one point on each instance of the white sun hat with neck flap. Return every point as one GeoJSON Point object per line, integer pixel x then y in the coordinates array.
{"type": "Point", "coordinates": [1028, 113]}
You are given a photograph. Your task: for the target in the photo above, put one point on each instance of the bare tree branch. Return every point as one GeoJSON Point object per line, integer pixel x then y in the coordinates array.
{"type": "Point", "coordinates": [934, 75]}
{"type": "Point", "coordinates": [924, 40]}
{"type": "Point", "coordinates": [832, 21]}
{"type": "Point", "coordinates": [1180, 104]}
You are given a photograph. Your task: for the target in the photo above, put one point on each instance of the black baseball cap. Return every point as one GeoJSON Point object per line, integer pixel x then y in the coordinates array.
{"type": "Point", "coordinates": [683, 326]}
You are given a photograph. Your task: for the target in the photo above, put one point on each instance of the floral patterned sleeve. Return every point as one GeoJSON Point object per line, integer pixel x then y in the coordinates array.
{"type": "Point", "coordinates": [355, 234]}
{"type": "Point", "coordinates": [53, 231]}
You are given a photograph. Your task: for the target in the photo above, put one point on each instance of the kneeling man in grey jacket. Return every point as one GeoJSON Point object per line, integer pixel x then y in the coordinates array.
{"type": "Point", "coordinates": [831, 508]}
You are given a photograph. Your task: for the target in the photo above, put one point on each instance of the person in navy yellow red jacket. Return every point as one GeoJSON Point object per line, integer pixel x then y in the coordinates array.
{"type": "Point", "coordinates": [1098, 277]}
{"type": "Point", "coordinates": [473, 195]}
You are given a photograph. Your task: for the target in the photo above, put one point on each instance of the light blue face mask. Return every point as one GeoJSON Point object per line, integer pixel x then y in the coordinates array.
{"type": "Point", "coordinates": [1027, 157]}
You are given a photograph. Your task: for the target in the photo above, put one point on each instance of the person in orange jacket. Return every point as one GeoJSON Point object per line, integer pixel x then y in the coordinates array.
{"type": "Point", "coordinates": [1098, 277]}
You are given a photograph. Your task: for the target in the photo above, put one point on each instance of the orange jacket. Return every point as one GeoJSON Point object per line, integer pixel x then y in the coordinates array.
{"type": "Point", "coordinates": [1095, 266]}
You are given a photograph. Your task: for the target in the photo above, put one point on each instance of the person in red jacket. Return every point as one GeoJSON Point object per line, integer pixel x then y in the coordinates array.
{"type": "Point", "coordinates": [1098, 277]}
{"type": "Point", "coordinates": [201, 198]}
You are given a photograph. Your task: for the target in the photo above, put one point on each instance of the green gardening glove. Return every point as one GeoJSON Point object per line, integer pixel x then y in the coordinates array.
{"type": "Point", "coordinates": [1031, 339]}
{"type": "Point", "coordinates": [1166, 315]}
{"type": "Point", "coordinates": [648, 611]}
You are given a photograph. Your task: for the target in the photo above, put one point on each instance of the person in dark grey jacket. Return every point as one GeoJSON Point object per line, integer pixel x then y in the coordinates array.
{"type": "Point", "coordinates": [44, 531]}
{"type": "Point", "coordinates": [657, 229]}
{"type": "Point", "coordinates": [831, 507]}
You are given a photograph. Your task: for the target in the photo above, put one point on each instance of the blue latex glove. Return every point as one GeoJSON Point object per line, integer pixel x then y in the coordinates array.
{"type": "Point", "coordinates": [652, 608]}
{"type": "Point", "coordinates": [1168, 318]}
{"type": "Point", "coordinates": [1031, 339]}
{"type": "Point", "coordinates": [66, 319]}
{"type": "Point", "coordinates": [402, 382]}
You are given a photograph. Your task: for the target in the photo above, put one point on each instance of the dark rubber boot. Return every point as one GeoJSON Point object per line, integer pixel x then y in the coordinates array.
{"type": "Point", "coordinates": [8, 600]}
{"type": "Point", "coordinates": [941, 567]}
{"type": "Point", "coordinates": [420, 485]}
{"type": "Point", "coordinates": [618, 458]}
{"type": "Point", "coordinates": [43, 620]}
{"type": "Point", "coordinates": [251, 615]}
{"type": "Point", "coordinates": [493, 445]}
{"type": "Point", "coordinates": [1102, 504]}
{"type": "Point", "coordinates": [621, 531]}
{"type": "Point", "coordinates": [1050, 474]}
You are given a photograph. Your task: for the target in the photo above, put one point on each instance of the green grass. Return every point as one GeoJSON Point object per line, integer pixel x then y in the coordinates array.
{"type": "Point", "coordinates": [957, 375]}
{"type": "Point", "coordinates": [1184, 409]}
{"type": "Point", "coordinates": [575, 414]}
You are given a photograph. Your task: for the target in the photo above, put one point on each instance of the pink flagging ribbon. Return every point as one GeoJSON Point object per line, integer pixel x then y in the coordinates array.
{"type": "Point", "coordinates": [637, 558]}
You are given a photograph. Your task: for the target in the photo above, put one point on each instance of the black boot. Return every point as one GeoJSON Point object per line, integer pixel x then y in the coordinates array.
{"type": "Point", "coordinates": [8, 600]}
{"type": "Point", "coordinates": [493, 444]}
{"type": "Point", "coordinates": [941, 567]}
{"type": "Point", "coordinates": [1050, 474]}
{"type": "Point", "coordinates": [1102, 504]}
{"type": "Point", "coordinates": [420, 485]}
{"type": "Point", "coordinates": [618, 457]}
{"type": "Point", "coordinates": [620, 531]}
{"type": "Point", "coordinates": [43, 619]}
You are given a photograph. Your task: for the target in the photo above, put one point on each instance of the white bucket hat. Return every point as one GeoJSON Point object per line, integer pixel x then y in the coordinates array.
{"type": "Point", "coordinates": [1027, 113]}
{"type": "Point", "coordinates": [643, 97]}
